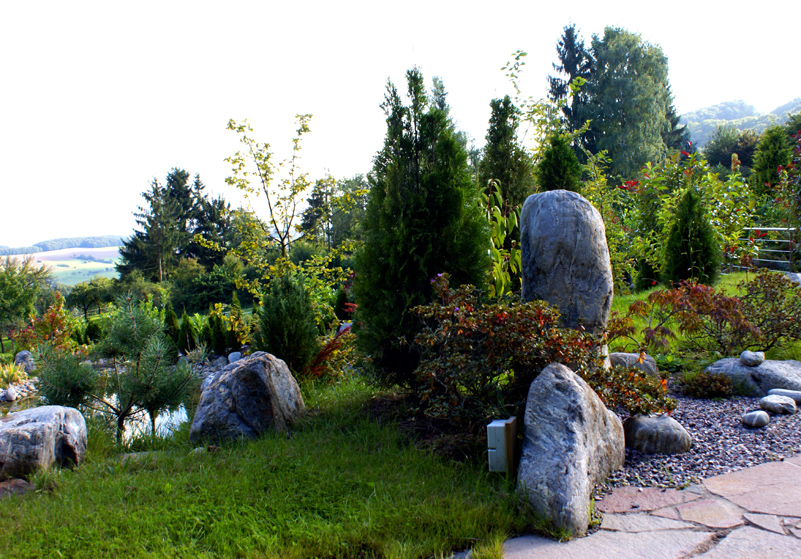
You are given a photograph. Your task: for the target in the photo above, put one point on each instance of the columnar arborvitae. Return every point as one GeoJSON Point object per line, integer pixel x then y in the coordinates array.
{"type": "Point", "coordinates": [171, 326]}
{"type": "Point", "coordinates": [187, 336]}
{"type": "Point", "coordinates": [692, 250]}
{"type": "Point", "coordinates": [422, 219]}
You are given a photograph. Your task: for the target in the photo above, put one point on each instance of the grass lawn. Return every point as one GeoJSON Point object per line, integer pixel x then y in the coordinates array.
{"type": "Point", "coordinates": [341, 485]}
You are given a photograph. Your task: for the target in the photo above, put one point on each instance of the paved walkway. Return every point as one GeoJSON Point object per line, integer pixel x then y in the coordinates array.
{"type": "Point", "coordinates": [749, 514]}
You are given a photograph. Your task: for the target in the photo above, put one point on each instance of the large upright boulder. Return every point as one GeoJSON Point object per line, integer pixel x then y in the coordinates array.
{"type": "Point", "coordinates": [571, 443]}
{"type": "Point", "coordinates": [38, 438]}
{"type": "Point", "coordinates": [25, 358]}
{"type": "Point", "coordinates": [246, 399]}
{"type": "Point", "coordinates": [565, 259]}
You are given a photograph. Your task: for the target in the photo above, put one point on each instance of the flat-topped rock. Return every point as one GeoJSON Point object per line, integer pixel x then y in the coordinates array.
{"type": "Point", "coordinates": [777, 404]}
{"type": "Point", "coordinates": [759, 380]}
{"type": "Point", "coordinates": [794, 394]}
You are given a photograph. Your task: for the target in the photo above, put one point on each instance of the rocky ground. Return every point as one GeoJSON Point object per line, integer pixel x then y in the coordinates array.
{"type": "Point", "coordinates": [721, 444]}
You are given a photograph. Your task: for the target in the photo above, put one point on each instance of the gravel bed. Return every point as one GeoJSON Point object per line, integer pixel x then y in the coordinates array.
{"type": "Point", "coordinates": [721, 444]}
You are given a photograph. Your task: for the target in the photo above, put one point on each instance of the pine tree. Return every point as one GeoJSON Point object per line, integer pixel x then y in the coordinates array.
{"type": "Point", "coordinates": [422, 219]}
{"type": "Point", "coordinates": [692, 250]}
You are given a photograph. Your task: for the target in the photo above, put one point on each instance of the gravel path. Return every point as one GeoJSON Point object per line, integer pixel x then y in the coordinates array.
{"type": "Point", "coordinates": [720, 445]}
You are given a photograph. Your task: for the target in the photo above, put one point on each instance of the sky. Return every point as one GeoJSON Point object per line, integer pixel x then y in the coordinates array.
{"type": "Point", "coordinates": [99, 98]}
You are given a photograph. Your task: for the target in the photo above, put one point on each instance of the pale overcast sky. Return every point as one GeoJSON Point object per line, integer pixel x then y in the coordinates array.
{"type": "Point", "coordinates": [98, 98]}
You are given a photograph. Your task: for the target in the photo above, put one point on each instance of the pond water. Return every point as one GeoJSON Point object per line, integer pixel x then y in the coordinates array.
{"type": "Point", "coordinates": [166, 422]}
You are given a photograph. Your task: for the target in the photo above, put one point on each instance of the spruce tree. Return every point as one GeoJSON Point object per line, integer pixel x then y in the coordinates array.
{"type": "Point", "coordinates": [559, 167]}
{"type": "Point", "coordinates": [691, 251]}
{"type": "Point", "coordinates": [422, 218]}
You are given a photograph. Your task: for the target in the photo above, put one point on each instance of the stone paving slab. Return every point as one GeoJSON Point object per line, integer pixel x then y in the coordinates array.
{"type": "Point", "coordinates": [713, 513]}
{"type": "Point", "coordinates": [753, 543]}
{"type": "Point", "coordinates": [629, 498]}
{"type": "Point", "coordinates": [769, 522]}
{"type": "Point", "coordinates": [667, 544]}
{"type": "Point", "coordinates": [770, 488]}
{"type": "Point", "coordinates": [641, 522]}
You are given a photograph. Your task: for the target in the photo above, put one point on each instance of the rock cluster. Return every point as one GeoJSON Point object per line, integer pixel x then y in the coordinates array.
{"type": "Point", "coordinates": [571, 443]}
{"type": "Point", "coordinates": [760, 379]}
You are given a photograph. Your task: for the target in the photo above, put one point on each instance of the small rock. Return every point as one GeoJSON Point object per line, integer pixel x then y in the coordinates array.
{"type": "Point", "coordinates": [777, 404]}
{"type": "Point", "coordinates": [235, 356]}
{"type": "Point", "coordinates": [756, 419]}
{"type": "Point", "coordinates": [11, 394]}
{"type": "Point", "coordinates": [794, 394]}
{"type": "Point", "coordinates": [752, 358]}
{"type": "Point", "coordinates": [219, 363]}
{"type": "Point", "coordinates": [656, 435]}
{"type": "Point", "coordinates": [646, 365]}
{"type": "Point", "coordinates": [25, 358]}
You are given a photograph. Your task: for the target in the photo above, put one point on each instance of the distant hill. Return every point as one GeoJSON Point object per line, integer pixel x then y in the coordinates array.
{"type": "Point", "coordinates": [704, 122]}
{"type": "Point", "coordinates": [72, 242]}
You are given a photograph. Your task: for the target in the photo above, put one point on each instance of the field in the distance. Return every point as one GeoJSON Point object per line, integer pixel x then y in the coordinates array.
{"type": "Point", "coordinates": [71, 266]}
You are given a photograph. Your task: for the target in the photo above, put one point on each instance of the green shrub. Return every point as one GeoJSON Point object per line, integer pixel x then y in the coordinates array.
{"type": "Point", "coordinates": [287, 328]}
{"type": "Point", "coordinates": [478, 360]}
{"type": "Point", "coordinates": [706, 385]}
{"type": "Point", "coordinates": [559, 167]}
{"type": "Point", "coordinates": [11, 374]}
{"type": "Point", "coordinates": [771, 303]}
{"type": "Point", "coordinates": [94, 331]}
{"type": "Point", "coordinates": [691, 250]}
{"type": "Point", "coordinates": [218, 334]}
{"type": "Point", "coordinates": [64, 380]}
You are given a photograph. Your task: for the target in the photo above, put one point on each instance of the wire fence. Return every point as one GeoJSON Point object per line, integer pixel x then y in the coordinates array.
{"type": "Point", "coordinates": [776, 247]}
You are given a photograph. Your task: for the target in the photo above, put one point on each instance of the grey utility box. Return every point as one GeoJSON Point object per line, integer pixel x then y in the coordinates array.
{"type": "Point", "coordinates": [501, 436]}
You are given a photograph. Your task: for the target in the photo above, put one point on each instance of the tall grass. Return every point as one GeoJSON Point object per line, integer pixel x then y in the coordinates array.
{"type": "Point", "coordinates": [340, 485]}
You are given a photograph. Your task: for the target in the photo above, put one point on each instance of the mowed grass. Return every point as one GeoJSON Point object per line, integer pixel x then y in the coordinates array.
{"type": "Point", "coordinates": [72, 271]}
{"type": "Point", "coordinates": [341, 485]}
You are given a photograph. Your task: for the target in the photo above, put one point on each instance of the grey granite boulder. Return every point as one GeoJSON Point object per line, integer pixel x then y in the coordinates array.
{"type": "Point", "coordinates": [38, 438]}
{"type": "Point", "coordinates": [656, 435]}
{"type": "Point", "coordinates": [752, 358]}
{"type": "Point", "coordinates": [25, 358]}
{"type": "Point", "coordinates": [246, 399]}
{"type": "Point", "coordinates": [778, 404]}
{"type": "Point", "coordinates": [757, 381]}
{"type": "Point", "coordinates": [756, 419]}
{"type": "Point", "coordinates": [571, 443]}
{"type": "Point", "coordinates": [647, 365]}
{"type": "Point", "coordinates": [794, 394]}
{"type": "Point", "coordinates": [565, 259]}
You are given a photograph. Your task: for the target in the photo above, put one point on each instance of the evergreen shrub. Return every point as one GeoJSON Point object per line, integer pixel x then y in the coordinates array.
{"type": "Point", "coordinates": [559, 168]}
{"type": "Point", "coordinates": [187, 335]}
{"type": "Point", "coordinates": [692, 250]}
{"type": "Point", "coordinates": [286, 325]}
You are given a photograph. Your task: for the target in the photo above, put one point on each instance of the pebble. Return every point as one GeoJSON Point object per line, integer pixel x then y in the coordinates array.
{"type": "Point", "coordinates": [777, 404]}
{"type": "Point", "coordinates": [721, 444]}
{"type": "Point", "coordinates": [756, 419]}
